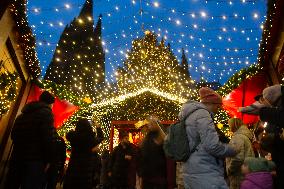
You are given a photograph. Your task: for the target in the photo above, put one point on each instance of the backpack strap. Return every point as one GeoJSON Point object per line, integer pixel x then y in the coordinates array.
{"type": "Point", "coordinates": [184, 118]}
{"type": "Point", "coordinates": [195, 146]}
{"type": "Point", "coordinates": [186, 115]}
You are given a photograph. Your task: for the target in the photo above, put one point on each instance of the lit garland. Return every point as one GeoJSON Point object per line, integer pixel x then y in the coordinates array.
{"type": "Point", "coordinates": [133, 108]}
{"type": "Point", "coordinates": [238, 78]}
{"type": "Point", "coordinates": [63, 92]}
{"type": "Point", "coordinates": [266, 34]}
{"type": "Point", "coordinates": [136, 108]}
{"type": "Point", "coordinates": [222, 116]}
{"type": "Point", "coordinates": [26, 38]}
{"type": "Point", "coordinates": [8, 89]}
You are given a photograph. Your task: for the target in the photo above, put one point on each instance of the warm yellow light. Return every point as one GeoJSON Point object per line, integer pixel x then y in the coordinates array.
{"type": "Point", "coordinates": [80, 21]}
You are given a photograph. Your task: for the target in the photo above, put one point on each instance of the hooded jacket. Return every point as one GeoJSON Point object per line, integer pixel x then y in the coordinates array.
{"type": "Point", "coordinates": [34, 134]}
{"type": "Point", "coordinates": [204, 168]}
{"type": "Point", "coordinates": [242, 137]}
{"type": "Point", "coordinates": [258, 180]}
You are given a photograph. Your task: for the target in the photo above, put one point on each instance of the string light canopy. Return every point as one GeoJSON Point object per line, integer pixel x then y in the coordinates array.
{"type": "Point", "coordinates": [208, 37]}
{"type": "Point", "coordinates": [217, 39]}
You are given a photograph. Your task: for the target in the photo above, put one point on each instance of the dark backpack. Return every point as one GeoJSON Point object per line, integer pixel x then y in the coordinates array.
{"type": "Point", "coordinates": [176, 144]}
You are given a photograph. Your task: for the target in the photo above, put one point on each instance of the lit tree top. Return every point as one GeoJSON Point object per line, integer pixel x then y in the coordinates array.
{"type": "Point", "coordinates": [152, 65]}
{"type": "Point", "coordinates": [79, 59]}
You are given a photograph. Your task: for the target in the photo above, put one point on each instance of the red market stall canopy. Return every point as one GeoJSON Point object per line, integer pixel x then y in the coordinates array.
{"type": "Point", "coordinates": [244, 95]}
{"type": "Point", "coordinates": [61, 109]}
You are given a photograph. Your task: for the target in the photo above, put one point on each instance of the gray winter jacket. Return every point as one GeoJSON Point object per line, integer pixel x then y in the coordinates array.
{"type": "Point", "coordinates": [204, 168]}
{"type": "Point", "coordinates": [242, 137]}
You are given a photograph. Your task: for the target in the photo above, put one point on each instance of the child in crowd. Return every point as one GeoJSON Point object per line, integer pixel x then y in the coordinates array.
{"type": "Point", "coordinates": [258, 173]}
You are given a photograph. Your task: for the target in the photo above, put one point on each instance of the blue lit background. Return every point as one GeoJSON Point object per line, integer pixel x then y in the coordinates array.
{"type": "Point", "coordinates": [219, 36]}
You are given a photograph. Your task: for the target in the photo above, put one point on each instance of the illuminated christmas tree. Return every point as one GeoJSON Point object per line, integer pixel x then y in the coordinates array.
{"type": "Point", "coordinates": [184, 65]}
{"type": "Point", "coordinates": [152, 65]}
{"type": "Point", "coordinates": [79, 59]}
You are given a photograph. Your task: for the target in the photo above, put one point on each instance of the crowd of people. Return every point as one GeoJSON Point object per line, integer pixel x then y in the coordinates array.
{"type": "Point", "coordinates": [251, 159]}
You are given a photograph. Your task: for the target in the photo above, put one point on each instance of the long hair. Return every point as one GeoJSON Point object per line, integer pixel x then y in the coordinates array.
{"type": "Point", "coordinates": [235, 124]}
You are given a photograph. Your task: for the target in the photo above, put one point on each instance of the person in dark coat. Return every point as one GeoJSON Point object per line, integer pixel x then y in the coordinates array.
{"type": "Point", "coordinates": [104, 178]}
{"type": "Point", "coordinates": [96, 169]}
{"type": "Point", "coordinates": [122, 164]}
{"type": "Point", "coordinates": [84, 142]}
{"type": "Point", "coordinates": [153, 166]}
{"type": "Point", "coordinates": [270, 109]}
{"type": "Point", "coordinates": [33, 137]}
{"type": "Point", "coordinates": [56, 169]}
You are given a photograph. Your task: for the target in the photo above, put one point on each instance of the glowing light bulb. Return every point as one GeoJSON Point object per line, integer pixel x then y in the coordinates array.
{"type": "Point", "coordinates": [67, 6]}
{"type": "Point", "coordinates": [261, 26]}
{"type": "Point", "coordinates": [178, 22]}
{"type": "Point", "coordinates": [203, 14]}
{"type": "Point", "coordinates": [156, 4]}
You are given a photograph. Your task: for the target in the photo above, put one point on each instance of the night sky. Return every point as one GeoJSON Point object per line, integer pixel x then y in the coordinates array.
{"type": "Point", "coordinates": [219, 36]}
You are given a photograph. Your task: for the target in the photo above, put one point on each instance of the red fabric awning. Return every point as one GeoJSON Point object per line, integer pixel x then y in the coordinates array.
{"type": "Point", "coordinates": [244, 96]}
{"type": "Point", "coordinates": [62, 109]}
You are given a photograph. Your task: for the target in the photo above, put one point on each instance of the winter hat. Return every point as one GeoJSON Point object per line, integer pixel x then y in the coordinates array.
{"type": "Point", "coordinates": [209, 95]}
{"type": "Point", "coordinates": [270, 95]}
{"type": "Point", "coordinates": [235, 124]}
{"type": "Point", "coordinates": [257, 164]}
{"type": "Point", "coordinates": [47, 98]}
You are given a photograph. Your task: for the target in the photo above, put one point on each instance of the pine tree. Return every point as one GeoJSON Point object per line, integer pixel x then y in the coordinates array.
{"type": "Point", "coordinates": [152, 65]}
{"type": "Point", "coordinates": [79, 59]}
{"type": "Point", "coordinates": [184, 65]}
